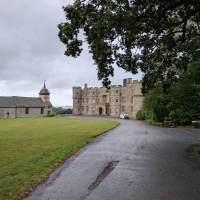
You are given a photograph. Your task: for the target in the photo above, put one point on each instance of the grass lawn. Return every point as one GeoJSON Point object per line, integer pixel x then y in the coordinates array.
{"type": "Point", "coordinates": [32, 147]}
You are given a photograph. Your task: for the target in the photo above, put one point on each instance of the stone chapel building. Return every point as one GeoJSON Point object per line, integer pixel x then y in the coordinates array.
{"type": "Point", "coordinates": [100, 101]}
{"type": "Point", "coordinates": [16, 107]}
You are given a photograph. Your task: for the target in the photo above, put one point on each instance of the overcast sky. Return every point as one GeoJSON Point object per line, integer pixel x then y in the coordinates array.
{"type": "Point", "coordinates": [31, 52]}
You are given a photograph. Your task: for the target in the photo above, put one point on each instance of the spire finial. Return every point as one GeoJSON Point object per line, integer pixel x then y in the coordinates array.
{"type": "Point", "coordinates": [44, 84]}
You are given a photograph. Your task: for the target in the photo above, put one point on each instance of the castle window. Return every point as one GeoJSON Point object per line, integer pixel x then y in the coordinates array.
{"type": "Point", "coordinates": [112, 110]}
{"type": "Point", "coordinates": [123, 108]}
{"type": "Point", "coordinates": [116, 100]}
{"type": "Point", "coordinates": [26, 110]}
{"type": "Point", "coordinates": [116, 91]}
{"type": "Point", "coordinates": [93, 109]}
{"type": "Point", "coordinates": [123, 99]}
{"type": "Point", "coordinates": [116, 110]}
{"type": "Point", "coordinates": [42, 111]}
{"type": "Point", "coordinates": [131, 108]}
{"type": "Point", "coordinates": [83, 100]}
{"type": "Point", "coordinates": [132, 99]}
{"type": "Point", "coordinates": [112, 100]}
{"type": "Point", "coordinates": [93, 100]}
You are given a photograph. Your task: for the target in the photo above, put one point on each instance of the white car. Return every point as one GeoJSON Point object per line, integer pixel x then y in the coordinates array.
{"type": "Point", "coordinates": [124, 116]}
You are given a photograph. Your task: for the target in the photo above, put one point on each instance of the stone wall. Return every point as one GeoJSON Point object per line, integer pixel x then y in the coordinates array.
{"type": "Point", "coordinates": [7, 112]}
{"type": "Point", "coordinates": [137, 104]}
{"type": "Point", "coordinates": [33, 112]}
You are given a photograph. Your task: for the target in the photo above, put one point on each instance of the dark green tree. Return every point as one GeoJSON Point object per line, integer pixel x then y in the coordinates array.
{"type": "Point", "coordinates": [158, 37]}
{"type": "Point", "coordinates": [155, 104]}
{"type": "Point", "coordinates": [184, 103]}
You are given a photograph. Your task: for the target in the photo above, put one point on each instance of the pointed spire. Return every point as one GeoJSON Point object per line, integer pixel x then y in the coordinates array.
{"type": "Point", "coordinates": [44, 84]}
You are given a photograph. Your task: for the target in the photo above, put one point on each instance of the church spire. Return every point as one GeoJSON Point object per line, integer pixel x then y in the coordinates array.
{"type": "Point", "coordinates": [44, 90]}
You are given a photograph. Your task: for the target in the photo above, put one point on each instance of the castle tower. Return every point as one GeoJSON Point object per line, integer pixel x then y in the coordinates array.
{"type": "Point", "coordinates": [77, 95]}
{"type": "Point", "coordinates": [44, 93]}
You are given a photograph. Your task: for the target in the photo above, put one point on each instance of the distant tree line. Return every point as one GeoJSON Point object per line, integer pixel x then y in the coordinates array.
{"type": "Point", "coordinates": [60, 110]}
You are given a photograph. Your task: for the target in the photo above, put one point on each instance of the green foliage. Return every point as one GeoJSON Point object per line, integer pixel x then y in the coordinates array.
{"type": "Point", "coordinates": [196, 149]}
{"type": "Point", "coordinates": [32, 147]}
{"type": "Point", "coordinates": [140, 115]}
{"type": "Point", "coordinates": [155, 102]}
{"type": "Point", "coordinates": [60, 110]}
{"type": "Point", "coordinates": [158, 37]}
{"type": "Point", "coordinates": [184, 102]}
{"type": "Point", "coordinates": [52, 115]}
{"type": "Point", "coordinates": [181, 102]}
{"type": "Point", "coordinates": [159, 107]}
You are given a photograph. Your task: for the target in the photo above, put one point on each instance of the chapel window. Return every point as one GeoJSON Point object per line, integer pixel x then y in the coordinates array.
{"type": "Point", "coordinates": [26, 110]}
{"type": "Point", "coordinates": [42, 111]}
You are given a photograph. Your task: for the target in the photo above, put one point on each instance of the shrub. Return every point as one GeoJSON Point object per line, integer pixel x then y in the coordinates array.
{"type": "Point", "coordinates": [140, 115]}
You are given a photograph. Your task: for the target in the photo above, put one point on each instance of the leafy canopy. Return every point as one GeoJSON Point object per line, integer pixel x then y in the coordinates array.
{"type": "Point", "coordinates": [158, 37]}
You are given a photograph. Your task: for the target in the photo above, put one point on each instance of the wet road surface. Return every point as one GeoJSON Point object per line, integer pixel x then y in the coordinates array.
{"type": "Point", "coordinates": [135, 161]}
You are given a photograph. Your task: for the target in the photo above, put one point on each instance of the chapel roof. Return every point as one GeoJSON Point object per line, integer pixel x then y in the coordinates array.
{"type": "Point", "coordinates": [22, 102]}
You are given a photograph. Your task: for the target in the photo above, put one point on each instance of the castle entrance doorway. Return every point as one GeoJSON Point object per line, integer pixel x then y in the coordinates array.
{"type": "Point", "coordinates": [100, 111]}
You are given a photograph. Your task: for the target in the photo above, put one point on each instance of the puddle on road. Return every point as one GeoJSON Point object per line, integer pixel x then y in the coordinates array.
{"type": "Point", "coordinates": [103, 174]}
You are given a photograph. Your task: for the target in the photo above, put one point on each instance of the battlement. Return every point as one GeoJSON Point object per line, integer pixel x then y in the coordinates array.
{"type": "Point", "coordinates": [136, 81]}
{"type": "Point", "coordinates": [76, 87]}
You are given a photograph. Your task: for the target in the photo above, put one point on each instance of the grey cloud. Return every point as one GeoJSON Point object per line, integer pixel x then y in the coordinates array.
{"type": "Point", "coordinates": [30, 51]}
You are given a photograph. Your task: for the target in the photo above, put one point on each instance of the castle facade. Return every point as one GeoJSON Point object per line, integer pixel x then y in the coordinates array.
{"type": "Point", "coordinates": [101, 101]}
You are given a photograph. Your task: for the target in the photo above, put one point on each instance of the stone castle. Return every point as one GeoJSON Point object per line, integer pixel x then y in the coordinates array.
{"type": "Point", "coordinates": [101, 101]}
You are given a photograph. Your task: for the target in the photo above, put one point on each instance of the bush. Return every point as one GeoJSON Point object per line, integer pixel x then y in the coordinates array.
{"type": "Point", "coordinates": [140, 115]}
{"type": "Point", "coordinates": [52, 115]}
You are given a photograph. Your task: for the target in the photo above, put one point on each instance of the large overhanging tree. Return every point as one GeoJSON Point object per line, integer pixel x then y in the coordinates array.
{"type": "Point", "coordinates": [159, 37]}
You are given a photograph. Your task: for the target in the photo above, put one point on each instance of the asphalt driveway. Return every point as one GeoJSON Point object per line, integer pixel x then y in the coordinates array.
{"type": "Point", "coordinates": [135, 161]}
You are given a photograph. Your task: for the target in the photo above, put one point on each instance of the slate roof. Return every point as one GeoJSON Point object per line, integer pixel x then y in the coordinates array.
{"type": "Point", "coordinates": [22, 102]}
{"type": "Point", "coordinates": [7, 102]}
{"type": "Point", "coordinates": [44, 90]}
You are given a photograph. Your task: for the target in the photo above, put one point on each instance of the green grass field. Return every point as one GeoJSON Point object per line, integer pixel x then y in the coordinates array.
{"type": "Point", "coordinates": [32, 147]}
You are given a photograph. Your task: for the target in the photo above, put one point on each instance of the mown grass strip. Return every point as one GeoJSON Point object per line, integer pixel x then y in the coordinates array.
{"type": "Point", "coordinates": [31, 147]}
